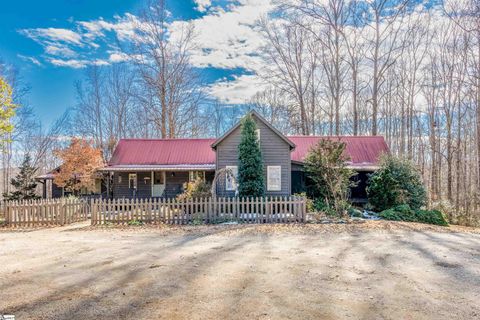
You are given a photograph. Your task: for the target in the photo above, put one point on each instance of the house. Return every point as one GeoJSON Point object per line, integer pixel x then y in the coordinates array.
{"type": "Point", "coordinates": [51, 190]}
{"type": "Point", "coordinates": [144, 168]}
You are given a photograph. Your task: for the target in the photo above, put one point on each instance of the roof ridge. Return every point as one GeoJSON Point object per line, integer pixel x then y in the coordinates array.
{"type": "Point", "coordinates": [163, 139]}
{"type": "Point", "coordinates": [342, 136]}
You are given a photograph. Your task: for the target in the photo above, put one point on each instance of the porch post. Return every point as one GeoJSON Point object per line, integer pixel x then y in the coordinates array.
{"type": "Point", "coordinates": [44, 189]}
{"type": "Point", "coordinates": [108, 184]}
{"type": "Point", "coordinates": [151, 183]}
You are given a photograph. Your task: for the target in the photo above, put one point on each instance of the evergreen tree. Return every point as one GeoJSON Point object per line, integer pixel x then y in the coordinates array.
{"type": "Point", "coordinates": [24, 182]}
{"type": "Point", "coordinates": [250, 162]}
{"type": "Point", "coordinates": [397, 182]}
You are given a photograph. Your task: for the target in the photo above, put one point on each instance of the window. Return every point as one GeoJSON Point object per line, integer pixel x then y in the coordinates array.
{"type": "Point", "coordinates": [132, 180]}
{"type": "Point", "coordinates": [258, 135]}
{"type": "Point", "coordinates": [158, 177]}
{"type": "Point", "coordinates": [274, 178]}
{"type": "Point", "coordinates": [194, 175]}
{"type": "Point", "coordinates": [231, 182]}
{"type": "Point", "coordinates": [119, 178]}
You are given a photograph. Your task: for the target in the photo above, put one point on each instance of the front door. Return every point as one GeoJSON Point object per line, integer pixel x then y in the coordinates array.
{"type": "Point", "coordinates": [158, 183]}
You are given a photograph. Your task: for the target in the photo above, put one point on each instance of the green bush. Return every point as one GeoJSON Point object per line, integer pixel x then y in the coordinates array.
{"type": "Point", "coordinates": [198, 219]}
{"type": "Point", "coordinates": [135, 222]}
{"type": "Point", "coordinates": [309, 201]}
{"type": "Point", "coordinates": [405, 213]}
{"type": "Point", "coordinates": [354, 212]}
{"type": "Point", "coordinates": [326, 168]}
{"type": "Point", "coordinates": [341, 206]}
{"type": "Point", "coordinates": [195, 189]}
{"type": "Point", "coordinates": [397, 182]}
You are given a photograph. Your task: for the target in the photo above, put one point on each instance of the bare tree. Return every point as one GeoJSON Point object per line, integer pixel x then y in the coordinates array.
{"type": "Point", "coordinates": [384, 47]}
{"type": "Point", "coordinates": [290, 68]}
{"type": "Point", "coordinates": [162, 55]}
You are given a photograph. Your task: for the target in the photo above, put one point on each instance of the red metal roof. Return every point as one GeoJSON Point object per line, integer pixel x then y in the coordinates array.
{"type": "Point", "coordinates": [163, 152]}
{"type": "Point", "coordinates": [362, 150]}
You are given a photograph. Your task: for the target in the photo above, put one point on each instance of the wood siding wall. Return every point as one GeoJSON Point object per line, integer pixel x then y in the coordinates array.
{"type": "Point", "coordinates": [121, 189]}
{"type": "Point", "coordinates": [173, 187]}
{"type": "Point", "coordinates": [57, 192]}
{"type": "Point", "coordinates": [275, 152]}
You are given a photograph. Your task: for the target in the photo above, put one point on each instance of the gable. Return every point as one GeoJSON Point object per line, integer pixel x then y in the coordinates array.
{"type": "Point", "coordinates": [261, 122]}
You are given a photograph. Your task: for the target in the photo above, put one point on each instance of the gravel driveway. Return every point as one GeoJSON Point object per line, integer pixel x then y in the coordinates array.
{"type": "Point", "coordinates": [376, 270]}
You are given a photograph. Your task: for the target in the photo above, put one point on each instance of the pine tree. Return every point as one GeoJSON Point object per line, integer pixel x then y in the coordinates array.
{"type": "Point", "coordinates": [250, 162]}
{"type": "Point", "coordinates": [24, 182]}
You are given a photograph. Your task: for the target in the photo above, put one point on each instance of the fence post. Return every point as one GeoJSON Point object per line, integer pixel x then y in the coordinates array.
{"type": "Point", "coordinates": [92, 212]}
{"type": "Point", "coordinates": [7, 213]}
{"type": "Point", "coordinates": [62, 212]}
{"type": "Point", "coordinates": [304, 209]}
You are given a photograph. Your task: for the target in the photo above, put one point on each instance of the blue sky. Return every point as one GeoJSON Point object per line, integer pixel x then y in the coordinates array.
{"type": "Point", "coordinates": [52, 41]}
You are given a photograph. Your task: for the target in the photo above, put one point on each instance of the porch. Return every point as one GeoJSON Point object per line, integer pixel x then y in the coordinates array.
{"type": "Point", "coordinates": [153, 182]}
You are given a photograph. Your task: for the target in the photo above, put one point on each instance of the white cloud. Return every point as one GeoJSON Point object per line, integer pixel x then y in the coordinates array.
{"type": "Point", "coordinates": [100, 62]}
{"type": "Point", "coordinates": [33, 60]}
{"type": "Point", "coordinates": [237, 91]}
{"type": "Point", "coordinates": [60, 50]}
{"type": "Point", "coordinates": [73, 63]}
{"type": "Point", "coordinates": [118, 57]}
{"type": "Point", "coordinates": [78, 64]}
{"type": "Point", "coordinates": [53, 34]}
{"type": "Point", "coordinates": [228, 38]}
{"type": "Point", "coordinates": [203, 5]}
{"type": "Point", "coordinates": [124, 27]}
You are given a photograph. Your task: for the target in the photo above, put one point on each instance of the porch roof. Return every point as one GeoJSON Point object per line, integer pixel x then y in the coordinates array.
{"type": "Point", "coordinates": [178, 167]}
{"type": "Point", "coordinates": [163, 152]}
{"type": "Point", "coordinates": [364, 152]}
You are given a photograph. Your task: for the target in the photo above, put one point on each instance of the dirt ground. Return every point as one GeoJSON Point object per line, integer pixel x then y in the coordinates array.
{"type": "Point", "coordinates": [375, 270]}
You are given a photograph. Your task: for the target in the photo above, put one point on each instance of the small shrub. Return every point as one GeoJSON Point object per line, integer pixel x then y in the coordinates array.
{"type": "Point", "coordinates": [368, 206]}
{"type": "Point", "coordinates": [397, 182]}
{"type": "Point", "coordinates": [226, 220]}
{"type": "Point", "coordinates": [431, 217]}
{"type": "Point", "coordinates": [135, 222]}
{"type": "Point", "coordinates": [196, 189]}
{"type": "Point", "coordinates": [309, 202]}
{"type": "Point", "coordinates": [320, 206]}
{"type": "Point", "coordinates": [354, 212]}
{"type": "Point", "coordinates": [198, 219]}
{"type": "Point", "coordinates": [398, 213]}
{"type": "Point", "coordinates": [405, 213]}
{"type": "Point", "coordinates": [446, 208]}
